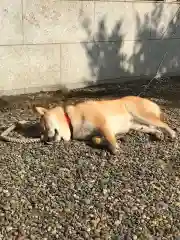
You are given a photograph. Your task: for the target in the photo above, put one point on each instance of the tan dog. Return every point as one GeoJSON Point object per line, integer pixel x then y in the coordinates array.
{"type": "Point", "coordinates": [103, 118]}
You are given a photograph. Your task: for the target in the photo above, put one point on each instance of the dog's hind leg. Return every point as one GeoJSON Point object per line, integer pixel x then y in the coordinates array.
{"type": "Point", "coordinates": [150, 119]}
{"type": "Point", "coordinates": [156, 122]}
{"type": "Point", "coordinates": [147, 129]}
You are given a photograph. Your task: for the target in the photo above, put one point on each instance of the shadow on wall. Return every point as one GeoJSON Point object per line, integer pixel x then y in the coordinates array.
{"type": "Point", "coordinates": [104, 55]}
{"type": "Point", "coordinates": [108, 60]}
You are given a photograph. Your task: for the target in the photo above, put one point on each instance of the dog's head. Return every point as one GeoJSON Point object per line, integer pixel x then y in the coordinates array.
{"type": "Point", "coordinates": [53, 123]}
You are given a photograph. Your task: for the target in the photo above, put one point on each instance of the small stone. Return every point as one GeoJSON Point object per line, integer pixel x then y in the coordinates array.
{"type": "Point", "coordinates": [67, 210]}
{"type": "Point", "coordinates": [177, 237]}
{"type": "Point", "coordinates": [6, 192]}
{"type": "Point", "coordinates": [135, 237]}
{"type": "Point", "coordinates": [117, 222]}
{"type": "Point", "coordinates": [87, 201]}
{"type": "Point", "coordinates": [54, 232]}
{"type": "Point", "coordinates": [95, 222]}
{"type": "Point", "coordinates": [9, 228]}
{"type": "Point", "coordinates": [177, 204]}
{"type": "Point", "coordinates": [32, 237]}
{"type": "Point", "coordinates": [105, 191]}
{"type": "Point", "coordinates": [49, 229]}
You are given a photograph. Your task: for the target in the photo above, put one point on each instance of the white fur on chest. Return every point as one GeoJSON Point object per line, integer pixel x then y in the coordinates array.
{"type": "Point", "coordinates": [84, 130]}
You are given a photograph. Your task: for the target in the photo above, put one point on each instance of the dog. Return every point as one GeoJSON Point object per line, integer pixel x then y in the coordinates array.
{"type": "Point", "coordinates": [103, 119]}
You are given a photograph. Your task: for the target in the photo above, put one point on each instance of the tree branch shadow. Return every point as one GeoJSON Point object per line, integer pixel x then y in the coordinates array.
{"type": "Point", "coordinates": [105, 55]}
{"type": "Point", "coordinates": [108, 61]}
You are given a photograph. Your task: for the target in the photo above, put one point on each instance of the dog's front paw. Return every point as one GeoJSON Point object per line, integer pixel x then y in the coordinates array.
{"type": "Point", "coordinates": [173, 135]}
{"type": "Point", "coordinates": [159, 135]}
{"type": "Point", "coordinates": [114, 149]}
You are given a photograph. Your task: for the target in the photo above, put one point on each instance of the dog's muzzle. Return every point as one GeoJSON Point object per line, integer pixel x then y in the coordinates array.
{"type": "Point", "coordinates": [50, 139]}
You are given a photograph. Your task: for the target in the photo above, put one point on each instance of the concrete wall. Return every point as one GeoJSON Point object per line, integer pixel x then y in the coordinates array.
{"type": "Point", "coordinates": [47, 44]}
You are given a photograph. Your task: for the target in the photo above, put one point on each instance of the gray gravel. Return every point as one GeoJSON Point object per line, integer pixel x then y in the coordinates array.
{"type": "Point", "coordinates": [75, 191]}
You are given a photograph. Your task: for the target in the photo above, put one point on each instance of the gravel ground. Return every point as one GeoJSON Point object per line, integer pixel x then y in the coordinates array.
{"type": "Point", "coordinates": [75, 191]}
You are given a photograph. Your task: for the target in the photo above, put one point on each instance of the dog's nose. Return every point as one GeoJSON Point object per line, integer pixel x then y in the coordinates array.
{"type": "Point", "coordinates": [50, 139]}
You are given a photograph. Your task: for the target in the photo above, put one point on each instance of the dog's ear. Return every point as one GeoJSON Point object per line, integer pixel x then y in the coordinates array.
{"type": "Point", "coordinates": [40, 110]}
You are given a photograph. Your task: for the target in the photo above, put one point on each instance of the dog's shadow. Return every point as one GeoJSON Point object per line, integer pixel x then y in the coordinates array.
{"type": "Point", "coordinates": [33, 130]}
{"type": "Point", "coordinates": [29, 130]}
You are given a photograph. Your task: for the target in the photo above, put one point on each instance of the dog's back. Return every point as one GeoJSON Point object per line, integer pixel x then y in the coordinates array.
{"type": "Point", "coordinates": [92, 115]}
